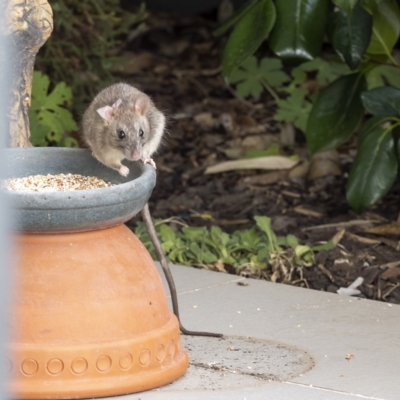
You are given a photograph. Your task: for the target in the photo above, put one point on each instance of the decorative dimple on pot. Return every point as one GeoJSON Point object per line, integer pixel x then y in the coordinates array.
{"type": "Point", "coordinates": [89, 315]}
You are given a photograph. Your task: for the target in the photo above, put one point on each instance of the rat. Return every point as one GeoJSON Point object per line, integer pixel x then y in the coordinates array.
{"type": "Point", "coordinates": [123, 123]}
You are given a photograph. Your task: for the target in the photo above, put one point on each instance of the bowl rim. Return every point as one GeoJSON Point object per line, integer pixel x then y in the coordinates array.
{"type": "Point", "coordinates": [76, 210]}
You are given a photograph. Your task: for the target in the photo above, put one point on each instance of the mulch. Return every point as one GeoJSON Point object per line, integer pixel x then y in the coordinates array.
{"type": "Point", "coordinates": [177, 61]}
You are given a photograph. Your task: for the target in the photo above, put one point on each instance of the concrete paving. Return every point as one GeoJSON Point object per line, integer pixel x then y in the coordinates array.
{"type": "Point", "coordinates": [282, 342]}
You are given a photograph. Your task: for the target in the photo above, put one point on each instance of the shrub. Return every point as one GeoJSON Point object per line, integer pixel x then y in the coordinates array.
{"type": "Point", "coordinates": [362, 33]}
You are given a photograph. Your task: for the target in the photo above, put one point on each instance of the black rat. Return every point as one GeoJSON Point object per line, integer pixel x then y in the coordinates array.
{"type": "Point", "coordinates": [122, 122]}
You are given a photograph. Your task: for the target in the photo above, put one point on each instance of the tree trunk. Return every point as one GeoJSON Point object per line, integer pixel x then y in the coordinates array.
{"type": "Point", "coordinates": [26, 25]}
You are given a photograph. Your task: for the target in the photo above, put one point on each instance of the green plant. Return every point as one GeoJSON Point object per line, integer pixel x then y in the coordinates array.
{"type": "Point", "coordinates": [251, 77]}
{"type": "Point", "coordinates": [362, 33]}
{"type": "Point", "coordinates": [48, 118]}
{"type": "Point", "coordinates": [85, 45]}
{"type": "Point", "coordinates": [251, 250]}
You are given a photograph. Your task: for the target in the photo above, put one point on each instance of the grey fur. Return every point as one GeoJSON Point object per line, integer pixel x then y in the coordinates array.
{"type": "Point", "coordinates": [101, 134]}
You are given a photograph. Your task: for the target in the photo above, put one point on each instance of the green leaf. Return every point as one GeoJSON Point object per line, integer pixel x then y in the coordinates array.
{"type": "Point", "coordinates": [209, 258]}
{"type": "Point", "coordinates": [304, 253]}
{"type": "Point", "coordinates": [219, 236]}
{"type": "Point", "coordinates": [60, 95]}
{"type": "Point", "coordinates": [385, 29]}
{"type": "Point", "coordinates": [239, 13]}
{"type": "Point", "coordinates": [167, 246]}
{"type": "Point", "coordinates": [299, 29]}
{"type": "Point", "coordinates": [294, 109]}
{"type": "Point", "coordinates": [39, 132]}
{"type": "Point", "coordinates": [247, 239]}
{"type": "Point", "coordinates": [345, 5]}
{"type": "Point", "coordinates": [177, 255]}
{"type": "Point", "coordinates": [336, 113]}
{"type": "Point", "coordinates": [194, 234]}
{"type": "Point", "coordinates": [382, 74]}
{"type": "Point", "coordinates": [396, 138]}
{"type": "Point", "coordinates": [264, 223]}
{"type": "Point", "coordinates": [326, 72]}
{"type": "Point", "coordinates": [292, 241]}
{"type": "Point", "coordinates": [371, 125]}
{"type": "Point", "coordinates": [299, 76]}
{"type": "Point", "coordinates": [383, 101]}
{"type": "Point", "coordinates": [249, 76]}
{"type": "Point", "coordinates": [66, 119]}
{"type": "Point", "coordinates": [40, 87]}
{"type": "Point", "coordinates": [350, 34]}
{"type": "Point", "coordinates": [248, 34]}
{"type": "Point", "coordinates": [329, 245]}
{"type": "Point", "coordinates": [374, 170]}
{"type": "Point", "coordinates": [273, 150]}
{"type": "Point", "coordinates": [228, 260]}
{"type": "Point", "coordinates": [371, 5]}
{"type": "Point", "coordinates": [69, 142]}
{"type": "Point", "coordinates": [49, 120]}
{"type": "Point", "coordinates": [195, 249]}
{"type": "Point", "coordinates": [263, 254]}
{"type": "Point", "coordinates": [167, 234]}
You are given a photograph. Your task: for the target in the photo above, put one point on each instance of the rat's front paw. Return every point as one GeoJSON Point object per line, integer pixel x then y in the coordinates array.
{"type": "Point", "coordinates": [150, 161]}
{"type": "Point", "coordinates": [124, 171]}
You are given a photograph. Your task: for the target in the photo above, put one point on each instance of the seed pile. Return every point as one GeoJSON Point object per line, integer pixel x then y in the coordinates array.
{"type": "Point", "coordinates": [55, 183]}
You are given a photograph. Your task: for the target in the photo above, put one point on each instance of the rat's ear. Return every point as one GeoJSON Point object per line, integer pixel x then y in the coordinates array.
{"type": "Point", "coordinates": [106, 112]}
{"type": "Point", "coordinates": [117, 103]}
{"type": "Point", "coordinates": [141, 104]}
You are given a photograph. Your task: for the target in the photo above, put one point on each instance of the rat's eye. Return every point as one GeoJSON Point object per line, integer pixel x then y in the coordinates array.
{"type": "Point", "coordinates": [121, 134]}
{"type": "Point", "coordinates": [141, 133]}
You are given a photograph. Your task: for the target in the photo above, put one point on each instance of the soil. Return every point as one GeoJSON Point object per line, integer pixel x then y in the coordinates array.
{"type": "Point", "coordinates": [177, 61]}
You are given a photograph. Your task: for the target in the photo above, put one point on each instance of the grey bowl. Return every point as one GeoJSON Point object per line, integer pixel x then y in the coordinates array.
{"type": "Point", "coordinates": [74, 211]}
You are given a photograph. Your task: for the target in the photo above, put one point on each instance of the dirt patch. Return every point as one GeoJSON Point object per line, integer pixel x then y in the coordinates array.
{"type": "Point", "coordinates": [177, 61]}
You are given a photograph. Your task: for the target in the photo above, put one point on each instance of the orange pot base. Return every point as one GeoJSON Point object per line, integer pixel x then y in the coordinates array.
{"type": "Point", "coordinates": [55, 352]}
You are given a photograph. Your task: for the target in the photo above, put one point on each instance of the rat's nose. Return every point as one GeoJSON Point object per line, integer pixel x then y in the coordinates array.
{"type": "Point", "coordinates": [136, 154]}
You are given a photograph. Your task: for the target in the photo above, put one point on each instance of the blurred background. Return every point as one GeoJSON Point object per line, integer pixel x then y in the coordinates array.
{"type": "Point", "coordinates": [239, 84]}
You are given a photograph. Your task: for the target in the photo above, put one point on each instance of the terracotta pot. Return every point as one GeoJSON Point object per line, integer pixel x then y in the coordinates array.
{"type": "Point", "coordinates": [89, 315]}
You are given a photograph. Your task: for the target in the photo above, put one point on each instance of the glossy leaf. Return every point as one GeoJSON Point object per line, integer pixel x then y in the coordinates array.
{"type": "Point", "coordinates": [382, 74]}
{"type": "Point", "coordinates": [345, 5]}
{"type": "Point", "coordinates": [248, 34]}
{"type": "Point", "coordinates": [385, 28]}
{"type": "Point", "coordinates": [383, 101]}
{"type": "Point", "coordinates": [396, 138]}
{"type": "Point", "coordinates": [239, 13]}
{"type": "Point", "coordinates": [374, 170]}
{"type": "Point", "coordinates": [336, 113]}
{"type": "Point", "coordinates": [370, 126]}
{"type": "Point", "coordinates": [371, 5]}
{"type": "Point", "coordinates": [299, 29]}
{"type": "Point", "coordinates": [350, 34]}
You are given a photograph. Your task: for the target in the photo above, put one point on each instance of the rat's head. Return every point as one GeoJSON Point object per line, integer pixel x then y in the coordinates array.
{"type": "Point", "coordinates": [128, 125]}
